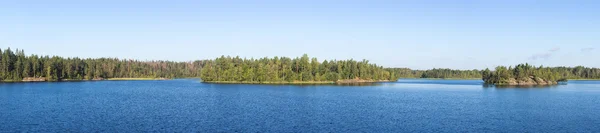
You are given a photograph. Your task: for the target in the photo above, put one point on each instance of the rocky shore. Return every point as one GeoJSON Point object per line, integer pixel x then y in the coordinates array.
{"type": "Point", "coordinates": [34, 79]}
{"type": "Point", "coordinates": [529, 81]}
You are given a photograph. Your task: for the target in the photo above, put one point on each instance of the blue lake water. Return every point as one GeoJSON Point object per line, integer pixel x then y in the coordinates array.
{"type": "Point", "coordinates": [409, 105]}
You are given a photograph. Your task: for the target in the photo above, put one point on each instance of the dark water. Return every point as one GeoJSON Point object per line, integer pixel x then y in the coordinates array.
{"type": "Point", "coordinates": [404, 106]}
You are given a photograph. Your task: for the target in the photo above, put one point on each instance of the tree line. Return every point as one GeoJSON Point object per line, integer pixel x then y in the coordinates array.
{"type": "Point", "coordinates": [578, 72]}
{"type": "Point", "coordinates": [284, 69]}
{"type": "Point", "coordinates": [14, 66]}
{"type": "Point", "coordinates": [441, 73]}
{"type": "Point", "coordinates": [502, 74]}
{"type": "Point", "coordinates": [522, 72]}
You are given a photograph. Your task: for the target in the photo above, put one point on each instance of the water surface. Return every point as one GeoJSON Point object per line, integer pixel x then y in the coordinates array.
{"type": "Point", "coordinates": [409, 105]}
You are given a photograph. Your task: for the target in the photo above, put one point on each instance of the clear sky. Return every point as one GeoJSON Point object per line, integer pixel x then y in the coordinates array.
{"type": "Point", "coordinates": [419, 34]}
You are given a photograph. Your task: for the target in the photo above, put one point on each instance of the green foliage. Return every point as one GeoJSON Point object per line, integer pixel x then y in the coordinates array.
{"type": "Point", "coordinates": [524, 72]}
{"type": "Point", "coordinates": [435, 73]}
{"type": "Point", "coordinates": [502, 74]}
{"type": "Point", "coordinates": [284, 69]}
{"type": "Point", "coordinates": [16, 66]}
{"type": "Point", "coordinates": [448, 73]}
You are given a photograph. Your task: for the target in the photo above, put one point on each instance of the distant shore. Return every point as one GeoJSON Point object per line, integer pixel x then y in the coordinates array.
{"type": "Point", "coordinates": [475, 78]}
{"type": "Point", "coordinates": [270, 82]}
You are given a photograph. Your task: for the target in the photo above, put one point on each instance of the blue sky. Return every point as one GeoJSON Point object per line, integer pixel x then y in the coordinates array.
{"type": "Point", "coordinates": [424, 34]}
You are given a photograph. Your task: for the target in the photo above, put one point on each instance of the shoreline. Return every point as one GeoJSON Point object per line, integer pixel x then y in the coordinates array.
{"type": "Point", "coordinates": [525, 84]}
{"type": "Point", "coordinates": [135, 79]}
{"type": "Point", "coordinates": [297, 82]}
{"type": "Point", "coordinates": [584, 79]}
{"type": "Point", "coordinates": [278, 82]}
{"type": "Point", "coordinates": [445, 78]}
{"type": "Point", "coordinates": [281, 82]}
{"type": "Point", "coordinates": [83, 80]}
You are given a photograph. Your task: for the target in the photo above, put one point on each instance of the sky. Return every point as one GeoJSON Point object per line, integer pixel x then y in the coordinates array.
{"type": "Point", "coordinates": [418, 34]}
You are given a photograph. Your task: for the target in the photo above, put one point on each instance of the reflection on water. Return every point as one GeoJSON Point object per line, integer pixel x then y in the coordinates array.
{"type": "Point", "coordinates": [475, 82]}
{"type": "Point", "coordinates": [440, 82]}
{"type": "Point", "coordinates": [313, 84]}
{"type": "Point", "coordinates": [486, 86]}
{"type": "Point", "coordinates": [413, 105]}
{"type": "Point", "coordinates": [359, 84]}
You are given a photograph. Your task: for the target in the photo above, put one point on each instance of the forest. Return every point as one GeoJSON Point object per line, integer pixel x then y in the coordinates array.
{"type": "Point", "coordinates": [15, 66]}
{"type": "Point", "coordinates": [436, 73]}
{"type": "Point", "coordinates": [284, 69]}
{"type": "Point", "coordinates": [502, 74]}
{"type": "Point", "coordinates": [578, 72]}
{"type": "Point", "coordinates": [522, 74]}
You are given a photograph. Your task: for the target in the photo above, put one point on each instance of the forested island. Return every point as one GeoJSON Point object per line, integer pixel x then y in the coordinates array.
{"type": "Point", "coordinates": [15, 66]}
{"type": "Point", "coordinates": [523, 74]}
{"type": "Point", "coordinates": [297, 70]}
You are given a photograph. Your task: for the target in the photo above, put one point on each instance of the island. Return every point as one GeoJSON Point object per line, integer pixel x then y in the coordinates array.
{"type": "Point", "coordinates": [522, 75]}
{"type": "Point", "coordinates": [299, 70]}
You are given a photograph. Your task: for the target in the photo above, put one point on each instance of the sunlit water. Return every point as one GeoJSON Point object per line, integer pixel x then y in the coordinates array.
{"type": "Point", "coordinates": [404, 106]}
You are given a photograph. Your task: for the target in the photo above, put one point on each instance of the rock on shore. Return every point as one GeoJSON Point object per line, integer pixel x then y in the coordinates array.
{"type": "Point", "coordinates": [530, 81]}
{"type": "Point", "coordinates": [34, 79]}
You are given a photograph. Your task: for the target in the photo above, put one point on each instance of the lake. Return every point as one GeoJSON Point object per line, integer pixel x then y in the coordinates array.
{"type": "Point", "coordinates": [186, 105]}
